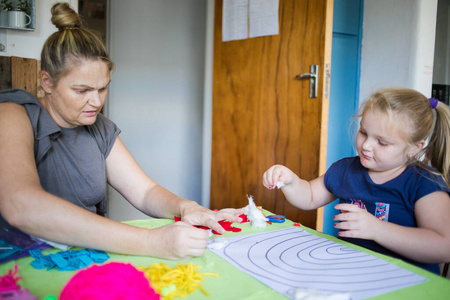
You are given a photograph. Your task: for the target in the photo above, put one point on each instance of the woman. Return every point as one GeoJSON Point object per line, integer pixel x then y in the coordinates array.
{"type": "Point", "coordinates": [58, 153]}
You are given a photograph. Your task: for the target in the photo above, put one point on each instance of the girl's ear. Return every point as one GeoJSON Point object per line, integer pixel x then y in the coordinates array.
{"type": "Point", "coordinates": [416, 148]}
{"type": "Point", "coordinates": [46, 82]}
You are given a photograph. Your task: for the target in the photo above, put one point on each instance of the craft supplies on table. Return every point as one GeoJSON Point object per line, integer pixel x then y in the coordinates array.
{"type": "Point", "coordinates": [232, 282]}
{"type": "Point", "coordinates": [276, 218]}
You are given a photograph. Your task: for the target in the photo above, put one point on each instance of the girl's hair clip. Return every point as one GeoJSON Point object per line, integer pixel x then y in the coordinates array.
{"type": "Point", "coordinates": [433, 102]}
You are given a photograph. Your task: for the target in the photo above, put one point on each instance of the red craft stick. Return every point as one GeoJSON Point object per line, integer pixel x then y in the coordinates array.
{"type": "Point", "coordinates": [224, 223]}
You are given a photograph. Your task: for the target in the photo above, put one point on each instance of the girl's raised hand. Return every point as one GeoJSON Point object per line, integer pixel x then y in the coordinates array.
{"type": "Point", "coordinates": [276, 174]}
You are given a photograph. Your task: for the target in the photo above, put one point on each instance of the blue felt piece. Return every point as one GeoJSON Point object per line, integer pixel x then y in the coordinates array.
{"type": "Point", "coordinates": [8, 249]}
{"type": "Point", "coordinates": [59, 260]}
{"type": "Point", "coordinates": [67, 260]}
{"type": "Point", "coordinates": [40, 262]}
{"type": "Point", "coordinates": [18, 240]}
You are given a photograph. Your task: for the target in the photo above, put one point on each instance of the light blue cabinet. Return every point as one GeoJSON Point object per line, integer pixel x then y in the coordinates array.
{"type": "Point", "coordinates": [344, 90]}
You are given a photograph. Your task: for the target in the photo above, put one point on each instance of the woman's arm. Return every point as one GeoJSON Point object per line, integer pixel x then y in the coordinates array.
{"type": "Point", "coordinates": [427, 243]}
{"type": "Point", "coordinates": [23, 202]}
{"type": "Point", "coordinates": [26, 206]}
{"type": "Point", "coordinates": [127, 177]}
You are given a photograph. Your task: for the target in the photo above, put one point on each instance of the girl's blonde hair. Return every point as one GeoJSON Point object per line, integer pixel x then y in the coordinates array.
{"type": "Point", "coordinates": [422, 123]}
{"type": "Point", "coordinates": [71, 44]}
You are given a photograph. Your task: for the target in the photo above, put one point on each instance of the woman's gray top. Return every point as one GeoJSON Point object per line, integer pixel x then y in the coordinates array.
{"type": "Point", "coordinates": [70, 161]}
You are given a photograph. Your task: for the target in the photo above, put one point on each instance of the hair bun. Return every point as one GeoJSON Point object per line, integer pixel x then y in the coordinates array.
{"type": "Point", "coordinates": [64, 17]}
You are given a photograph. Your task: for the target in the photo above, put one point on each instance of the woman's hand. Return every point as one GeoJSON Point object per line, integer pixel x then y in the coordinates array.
{"type": "Point", "coordinates": [195, 214]}
{"type": "Point", "coordinates": [177, 241]}
{"type": "Point", "coordinates": [355, 222]}
{"type": "Point", "coordinates": [182, 240]}
{"type": "Point", "coordinates": [276, 174]}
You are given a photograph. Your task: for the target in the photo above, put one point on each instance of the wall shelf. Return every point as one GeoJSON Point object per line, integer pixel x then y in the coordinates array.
{"type": "Point", "coordinates": [30, 27]}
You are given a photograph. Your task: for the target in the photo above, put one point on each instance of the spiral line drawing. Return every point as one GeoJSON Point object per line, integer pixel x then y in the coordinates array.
{"type": "Point", "coordinates": [293, 258]}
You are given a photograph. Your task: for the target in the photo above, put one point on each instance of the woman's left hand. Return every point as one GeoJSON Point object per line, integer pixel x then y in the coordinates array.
{"type": "Point", "coordinates": [195, 214]}
{"type": "Point", "coordinates": [355, 222]}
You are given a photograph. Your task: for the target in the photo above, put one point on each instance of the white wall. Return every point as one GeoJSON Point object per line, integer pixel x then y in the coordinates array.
{"type": "Point", "coordinates": [157, 88]}
{"type": "Point", "coordinates": [397, 45]}
{"type": "Point", "coordinates": [156, 94]}
{"type": "Point", "coordinates": [29, 43]}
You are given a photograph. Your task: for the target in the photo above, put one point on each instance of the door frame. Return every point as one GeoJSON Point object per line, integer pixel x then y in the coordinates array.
{"type": "Point", "coordinates": [207, 104]}
{"type": "Point", "coordinates": [207, 115]}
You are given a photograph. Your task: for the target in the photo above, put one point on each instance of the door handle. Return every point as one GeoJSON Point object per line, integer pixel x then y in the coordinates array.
{"type": "Point", "coordinates": [312, 75]}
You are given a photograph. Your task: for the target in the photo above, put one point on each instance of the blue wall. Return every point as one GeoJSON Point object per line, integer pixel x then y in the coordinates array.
{"type": "Point", "coordinates": [344, 90]}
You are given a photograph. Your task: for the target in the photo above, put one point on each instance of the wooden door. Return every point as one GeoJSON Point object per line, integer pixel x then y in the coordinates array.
{"type": "Point", "coordinates": [262, 115]}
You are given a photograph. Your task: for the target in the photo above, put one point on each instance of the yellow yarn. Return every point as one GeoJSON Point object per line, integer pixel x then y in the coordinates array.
{"type": "Point", "coordinates": [184, 277]}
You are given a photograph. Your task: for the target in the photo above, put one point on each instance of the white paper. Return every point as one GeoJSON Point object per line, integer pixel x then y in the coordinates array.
{"type": "Point", "coordinates": [234, 20]}
{"type": "Point", "coordinates": [263, 17]}
{"type": "Point", "coordinates": [293, 258]}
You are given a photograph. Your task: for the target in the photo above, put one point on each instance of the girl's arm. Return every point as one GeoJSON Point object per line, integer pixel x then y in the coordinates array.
{"type": "Point", "coordinates": [306, 195]}
{"type": "Point", "coordinates": [428, 243]}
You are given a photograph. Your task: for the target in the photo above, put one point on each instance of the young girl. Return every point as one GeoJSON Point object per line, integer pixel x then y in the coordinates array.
{"type": "Point", "coordinates": [393, 197]}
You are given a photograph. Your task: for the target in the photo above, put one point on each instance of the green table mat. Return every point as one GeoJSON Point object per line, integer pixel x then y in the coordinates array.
{"type": "Point", "coordinates": [231, 284]}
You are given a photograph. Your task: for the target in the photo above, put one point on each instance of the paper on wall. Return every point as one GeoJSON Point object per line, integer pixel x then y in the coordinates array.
{"type": "Point", "coordinates": [242, 19]}
{"type": "Point", "coordinates": [234, 20]}
{"type": "Point", "coordinates": [263, 17]}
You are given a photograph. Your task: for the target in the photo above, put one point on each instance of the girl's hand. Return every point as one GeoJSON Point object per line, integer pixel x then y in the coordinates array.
{"type": "Point", "coordinates": [355, 222]}
{"type": "Point", "coordinates": [198, 215]}
{"type": "Point", "coordinates": [275, 174]}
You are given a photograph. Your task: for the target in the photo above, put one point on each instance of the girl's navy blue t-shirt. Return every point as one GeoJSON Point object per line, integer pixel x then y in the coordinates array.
{"type": "Point", "coordinates": [392, 201]}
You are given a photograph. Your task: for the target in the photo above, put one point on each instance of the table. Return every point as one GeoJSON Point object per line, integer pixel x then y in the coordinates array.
{"type": "Point", "coordinates": [231, 284]}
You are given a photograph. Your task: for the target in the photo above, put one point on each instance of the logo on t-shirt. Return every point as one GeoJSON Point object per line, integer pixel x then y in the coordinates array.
{"type": "Point", "coordinates": [381, 209]}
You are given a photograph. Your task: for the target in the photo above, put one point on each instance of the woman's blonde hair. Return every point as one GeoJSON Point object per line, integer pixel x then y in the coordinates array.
{"type": "Point", "coordinates": [422, 123]}
{"type": "Point", "coordinates": [71, 43]}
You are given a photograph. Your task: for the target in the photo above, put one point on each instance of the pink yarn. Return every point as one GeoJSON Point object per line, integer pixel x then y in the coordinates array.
{"type": "Point", "coordinates": [9, 289]}
{"type": "Point", "coordinates": [109, 281]}
{"type": "Point", "coordinates": [8, 282]}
